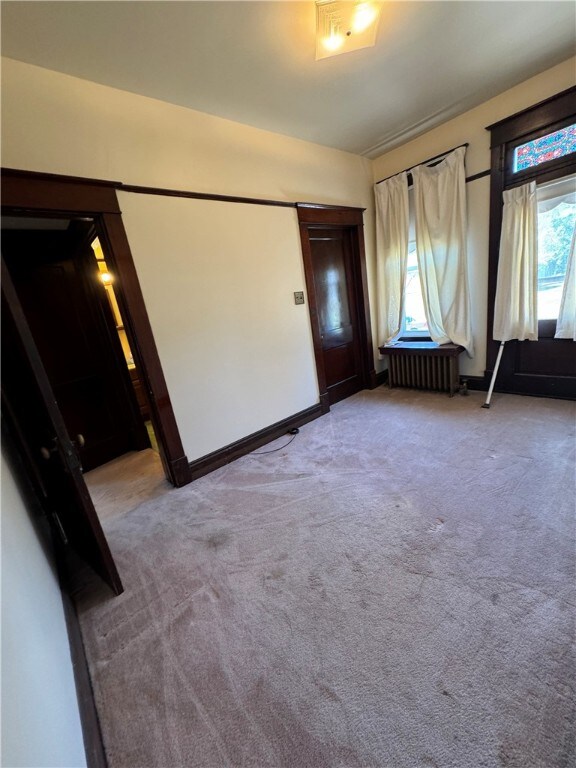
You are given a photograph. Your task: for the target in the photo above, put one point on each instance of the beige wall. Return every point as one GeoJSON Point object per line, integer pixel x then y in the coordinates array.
{"type": "Point", "coordinates": [217, 278]}
{"type": "Point", "coordinates": [470, 127]}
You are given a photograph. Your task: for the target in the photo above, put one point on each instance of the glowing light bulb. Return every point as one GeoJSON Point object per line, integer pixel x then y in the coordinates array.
{"type": "Point", "coordinates": [333, 42]}
{"type": "Point", "coordinates": [364, 15]}
{"type": "Point", "coordinates": [106, 278]}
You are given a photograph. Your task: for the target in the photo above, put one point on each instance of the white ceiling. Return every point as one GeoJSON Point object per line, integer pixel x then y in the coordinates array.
{"type": "Point", "coordinates": [253, 62]}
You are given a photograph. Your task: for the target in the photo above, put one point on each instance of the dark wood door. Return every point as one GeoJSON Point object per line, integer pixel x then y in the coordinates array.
{"type": "Point", "coordinates": [337, 311]}
{"type": "Point", "coordinates": [37, 427]}
{"type": "Point", "coordinates": [65, 304]}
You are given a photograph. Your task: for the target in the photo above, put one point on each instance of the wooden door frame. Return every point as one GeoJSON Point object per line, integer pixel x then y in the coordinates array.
{"type": "Point", "coordinates": [310, 218]}
{"type": "Point", "coordinates": [40, 194]}
{"type": "Point", "coordinates": [505, 136]}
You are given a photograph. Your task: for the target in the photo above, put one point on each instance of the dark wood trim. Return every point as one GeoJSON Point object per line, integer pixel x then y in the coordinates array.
{"type": "Point", "coordinates": [229, 453]}
{"type": "Point", "coordinates": [330, 215]}
{"type": "Point", "coordinates": [203, 196]}
{"type": "Point", "coordinates": [91, 730]}
{"type": "Point", "coordinates": [476, 383]}
{"type": "Point", "coordinates": [505, 136]}
{"type": "Point", "coordinates": [47, 194]}
{"type": "Point", "coordinates": [24, 192]}
{"type": "Point", "coordinates": [311, 217]}
{"type": "Point", "coordinates": [143, 346]}
{"type": "Point", "coordinates": [58, 177]}
{"type": "Point", "coordinates": [379, 379]}
{"type": "Point", "coordinates": [476, 176]}
{"type": "Point", "coordinates": [533, 118]}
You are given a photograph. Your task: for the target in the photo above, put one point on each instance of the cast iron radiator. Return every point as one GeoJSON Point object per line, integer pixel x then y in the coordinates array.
{"type": "Point", "coordinates": [423, 365]}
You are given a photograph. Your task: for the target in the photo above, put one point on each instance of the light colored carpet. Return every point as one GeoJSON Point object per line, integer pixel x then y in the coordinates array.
{"type": "Point", "coordinates": [394, 589]}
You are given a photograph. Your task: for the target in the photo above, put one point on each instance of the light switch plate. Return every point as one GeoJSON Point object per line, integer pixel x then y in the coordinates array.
{"type": "Point", "coordinates": [298, 297]}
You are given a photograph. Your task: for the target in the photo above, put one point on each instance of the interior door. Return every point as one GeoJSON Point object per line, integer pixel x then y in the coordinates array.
{"type": "Point", "coordinates": [33, 417]}
{"type": "Point", "coordinates": [337, 311]}
{"type": "Point", "coordinates": [66, 307]}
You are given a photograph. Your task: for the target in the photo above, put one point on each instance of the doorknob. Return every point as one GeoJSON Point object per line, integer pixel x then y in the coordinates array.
{"type": "Point", "coordinates": [46, 453]}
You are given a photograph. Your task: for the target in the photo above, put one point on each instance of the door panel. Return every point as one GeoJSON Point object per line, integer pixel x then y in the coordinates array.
{"type": "Point", "coordinates": [55, 276]}
{"type": "Point", "coordinates": [30, 408]}
{"type": "Point", "coordinates": [337, 311]}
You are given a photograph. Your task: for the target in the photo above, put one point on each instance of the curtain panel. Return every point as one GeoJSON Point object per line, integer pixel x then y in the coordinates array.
{"type": "Point", "coordinates": [391, 254]}
{"type": "Point", "coordinates": [515, 306]}
{"type": "Point", "coordinates": [566, 323]}
{"type": "Point", "coordinates": [440, 208]}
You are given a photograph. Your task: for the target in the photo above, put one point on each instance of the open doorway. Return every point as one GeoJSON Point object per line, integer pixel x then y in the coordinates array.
{"type": "Point", "coordinates": [66, 289]}
{"type": "Point", "coordinates": [107, 279]}
{"type": "Point", "coordinates": [70, 312]}
{"type": "Point", "coordinates": [53, 221]}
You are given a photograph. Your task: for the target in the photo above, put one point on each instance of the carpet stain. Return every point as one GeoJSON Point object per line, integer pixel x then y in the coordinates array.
{"type": "Point", "coordinates": [327, 692]}
{"type": "Point", "coordinates": [437, 525]}
{"type": "Point", "coordinates": [217, 539]}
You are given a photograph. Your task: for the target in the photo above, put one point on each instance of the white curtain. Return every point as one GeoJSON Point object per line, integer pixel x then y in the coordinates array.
{"type": "Point", "coordinates": [392, 254]}
{"type": "Point", "coordinates": [566, 323]}
{"type": "Point", "coordinates": [440, 207]}
{"type": "Point", "coordinates": [515, 309]}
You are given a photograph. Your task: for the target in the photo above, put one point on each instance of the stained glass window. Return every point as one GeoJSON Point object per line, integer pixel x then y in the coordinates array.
{"type": "Point", "coordinates": [550, 147]}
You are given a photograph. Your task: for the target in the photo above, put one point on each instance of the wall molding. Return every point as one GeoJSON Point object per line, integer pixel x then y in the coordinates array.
{"type": "Point", "coordinates": [245, 445]}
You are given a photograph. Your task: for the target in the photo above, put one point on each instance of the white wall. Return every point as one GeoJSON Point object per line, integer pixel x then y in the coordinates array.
{"type": "Point", "coordinates": [238, 357]}
{"type": "Point", "coordinates": [470, 127]}
{"type": "Point", "coordinates": [40, 720]}
{"type": "Point", "coordinates": [197, 260]}
{"type": "Point", "coordinates": [217, 278]}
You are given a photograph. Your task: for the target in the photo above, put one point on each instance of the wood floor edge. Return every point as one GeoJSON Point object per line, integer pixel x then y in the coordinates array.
{"type": "Point", "coordinates": [233, 451]}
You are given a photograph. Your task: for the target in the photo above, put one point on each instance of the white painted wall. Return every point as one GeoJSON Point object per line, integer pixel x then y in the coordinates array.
{"type": "Point", "coordinates": [470, 127]}
{"type": "Point", "coordinates": [40, 720]}
{"type": "Point", "coordinates": [217, 278]}
{"type": "Point", "coordinates": [218, 282]}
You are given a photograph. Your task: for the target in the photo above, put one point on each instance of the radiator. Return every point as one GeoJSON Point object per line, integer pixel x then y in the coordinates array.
{"type": "Point", "coordinates": [424, 366]}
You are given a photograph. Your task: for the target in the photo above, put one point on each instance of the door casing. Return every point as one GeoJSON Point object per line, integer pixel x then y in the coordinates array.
{"type": "Point", "coordinates": [545, 367]}
{"type": "Point", "coordinates": [29, 193]}
{"type": "Point", "coordinates": [310, 218]}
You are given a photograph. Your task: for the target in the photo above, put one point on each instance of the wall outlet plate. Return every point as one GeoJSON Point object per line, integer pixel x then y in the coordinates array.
{"type": "Point", "coordinates": [298, 297]}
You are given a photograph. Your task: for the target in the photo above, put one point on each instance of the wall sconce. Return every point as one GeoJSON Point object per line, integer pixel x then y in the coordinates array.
{"type": "Point", "coordinates": [343, 26]}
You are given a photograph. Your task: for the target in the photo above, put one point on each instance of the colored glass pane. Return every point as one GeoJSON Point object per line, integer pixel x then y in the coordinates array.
{"type": "Point", "coordinates": [550, 147]}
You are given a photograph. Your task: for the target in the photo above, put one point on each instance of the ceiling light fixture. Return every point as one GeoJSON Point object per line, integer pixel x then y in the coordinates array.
{"type": "Point", "coordinates": [344, 25]}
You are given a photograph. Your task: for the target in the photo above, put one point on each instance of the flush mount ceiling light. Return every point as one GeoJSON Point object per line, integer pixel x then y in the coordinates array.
{"type": "Point", "coordinates": [344, 25]}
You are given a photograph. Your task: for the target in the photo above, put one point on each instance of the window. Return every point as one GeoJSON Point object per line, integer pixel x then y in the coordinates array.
{"type": "Point", "coordinates": [537, 144]}
{"type": "Point", "coordinates": [556, 222]}
{"type": "Point", "coordinates": [414, 323]}
{"type": "Point", "coordinates": [550, 147]}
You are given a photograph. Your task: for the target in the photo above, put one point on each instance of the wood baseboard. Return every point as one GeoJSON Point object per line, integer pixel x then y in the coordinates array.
{"type": "Point", "coordinates": [180, 471]}
{"type": "Point", "coordinates": [229, 453]}
{"type": "Point", "coordinates": [378, 379]}
{"type": "Point", "coordinates": [476, 383]}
